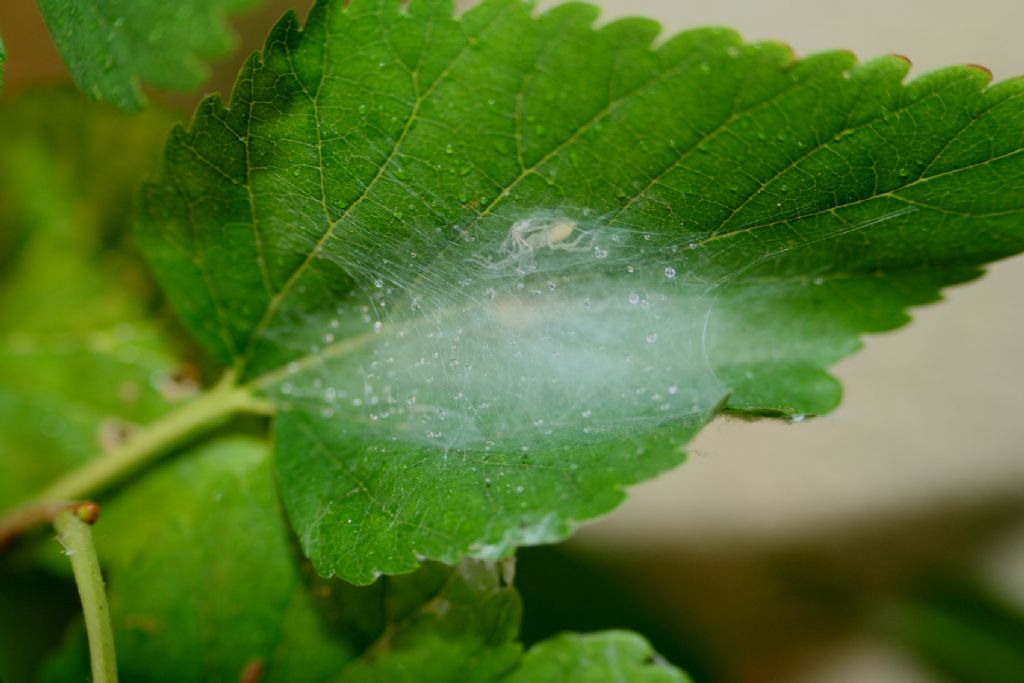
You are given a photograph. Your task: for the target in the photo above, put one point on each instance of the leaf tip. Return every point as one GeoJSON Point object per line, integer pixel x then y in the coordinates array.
{"type": "Point", "coordinates": [983, 70]}
{"type": "Point", "coordinates": [903, 58]}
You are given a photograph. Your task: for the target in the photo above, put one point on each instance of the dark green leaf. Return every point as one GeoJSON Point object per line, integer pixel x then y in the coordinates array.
{"type": "Point", "coordinates": [112, 47]}
{"type": "Point", "coordinates": [81, 353]}
{"type": "Point", "coordinates": [494, 269]}
{"type": "Point", "coordinates": [221, 588]}
{"type": "Point", "coordinates": [37, 610]}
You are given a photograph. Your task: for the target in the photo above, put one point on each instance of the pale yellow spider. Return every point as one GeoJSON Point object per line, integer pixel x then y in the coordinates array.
{"type": "Point", "coordinates": [529, 235]}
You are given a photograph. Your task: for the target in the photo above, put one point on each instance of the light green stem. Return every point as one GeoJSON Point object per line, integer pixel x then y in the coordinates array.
{"type": "Point", "coordinates": [76, 537]}
{"type": "Point", "coordinates": [198, 415]}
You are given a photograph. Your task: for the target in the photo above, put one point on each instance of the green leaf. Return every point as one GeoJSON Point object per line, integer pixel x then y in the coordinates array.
{"type": "Point", "coordinates": [494, 269]}
{"type": "Point", "coordinates": [220, 586]}
{"type": "Point", "coordinates": [112, 47]}
{"type": "Point", "coordinates": [82, 351]}
{"type": "Point", "coordinates": [611, 656]}
{"type": "Point", "coordinates": [222, 589]}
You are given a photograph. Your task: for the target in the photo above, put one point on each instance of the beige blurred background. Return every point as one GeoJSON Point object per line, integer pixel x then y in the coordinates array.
{"type": "Point", "coordinates": [924, 456]}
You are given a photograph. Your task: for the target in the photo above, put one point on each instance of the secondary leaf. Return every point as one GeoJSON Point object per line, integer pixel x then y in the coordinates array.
{"type": "Point", "coordinates": [80, 347]}
{"type": "Point", "coordinates": [223, 590]}
{"type": "Point", "coordinates": [112, 47]}
{"type": "Point", "coordinates": [219, 586]}
{"type": "Point", "coordinates": [613, 656]}
{"type": "Point", "coordinates": [494, 269]}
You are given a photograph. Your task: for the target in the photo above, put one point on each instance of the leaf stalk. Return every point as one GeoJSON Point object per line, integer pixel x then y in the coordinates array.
{"type": "Point", "coordinates": [75, 534]}
{"type": "Point", "coordinates": [143, 448]}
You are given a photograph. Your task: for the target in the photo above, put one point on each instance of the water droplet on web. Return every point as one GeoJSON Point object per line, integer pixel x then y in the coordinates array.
{"type": "Point", "coordinates": [634, 298]}
{"type": "Point", "coordinates": [328, 338]}
{"type": "Point", "coordinates": [670, 273]}
{"type": "Point", "coordinates": [378, 283]}
{"type": "Point", "coordinates": [630, 269]}
{"type": "Point", "coordinates": [673, 390]}
{"type": "Point", "coordinates": [586, 413]}
{"type": "Point", "coordinates": [600, 253]}
{"type": "Point", "coordinates": [651, 338]}
{"type": "Point", "coordinates": [691, 245]}
{"type": "Point", "coordinates": [519, 489]}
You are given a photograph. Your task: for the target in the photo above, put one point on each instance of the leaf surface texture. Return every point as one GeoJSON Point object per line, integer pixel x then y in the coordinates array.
{"type": "Point", "coordinates": [492, 269]}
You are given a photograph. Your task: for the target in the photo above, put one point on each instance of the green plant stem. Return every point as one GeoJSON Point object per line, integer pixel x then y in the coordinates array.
{"type": "Point", "coordinates": [76, 537]}
{"type": "Point", "coordinates": [198, 415]}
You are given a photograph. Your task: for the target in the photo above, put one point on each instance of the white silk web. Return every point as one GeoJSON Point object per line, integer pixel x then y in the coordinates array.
{"type": "Point", "coordinates": [539, 330]}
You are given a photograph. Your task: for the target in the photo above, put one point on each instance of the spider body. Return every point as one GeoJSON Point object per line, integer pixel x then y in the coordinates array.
{"type": "Point", "coordinates": [528, 236]}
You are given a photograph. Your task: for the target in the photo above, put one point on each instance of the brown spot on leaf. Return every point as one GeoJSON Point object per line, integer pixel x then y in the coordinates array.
{"type": "Point", "coordinates": [181, 383]}
{"type": "Point", "coordinates": [113, 433]}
